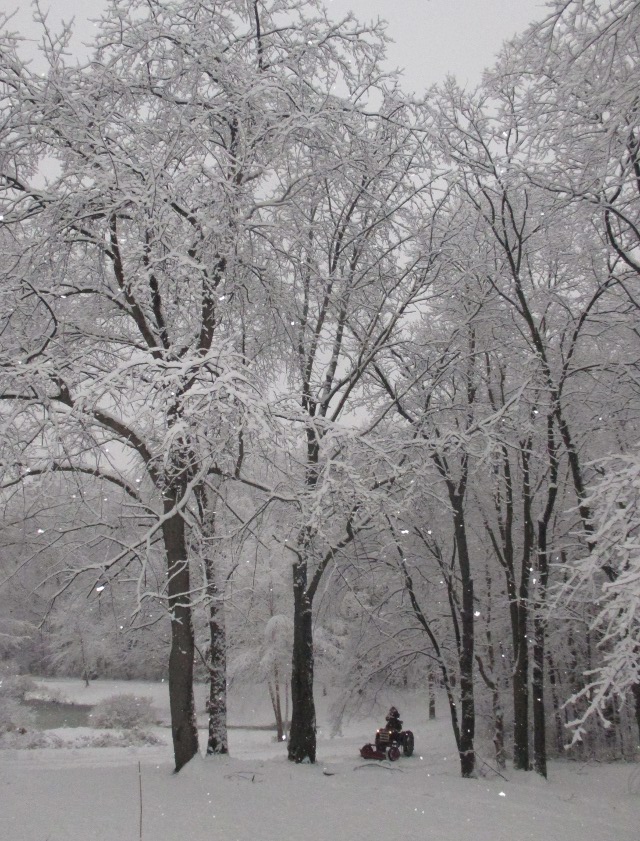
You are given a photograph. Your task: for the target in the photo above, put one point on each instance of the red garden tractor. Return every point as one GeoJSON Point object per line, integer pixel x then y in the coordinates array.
{"type": "Point", "coordinates": [391, 741]}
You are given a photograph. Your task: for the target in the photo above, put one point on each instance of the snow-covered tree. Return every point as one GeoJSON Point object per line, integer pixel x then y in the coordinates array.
{"type": "Point", "coordinates": [136, 269]}
{"type": "Point", "coordinates": [353, 278]}
{"type": "Point", "coordinates": [609, 577]}
{"type": "Point", "coordinates": [573, 78]}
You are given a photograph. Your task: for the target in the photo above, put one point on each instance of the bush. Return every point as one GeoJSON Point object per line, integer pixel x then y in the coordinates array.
{"type": "Point", "coordinates": [137, 737]}
{"type": "Point", "coordinates": [13, 716]}
{"type": "Point", "coordinates": [123, 712]}
{"type": "Point", "coordinates": [31, 740]}
{"type": "Point", "coordinates": [16, 686]}
{"type": "Point", "coordinates": [125, 739]}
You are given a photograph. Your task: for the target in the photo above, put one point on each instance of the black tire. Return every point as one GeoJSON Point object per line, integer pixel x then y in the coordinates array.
{"type": "Point", "coordinates": [408, 743]}
{"type": "Point", "coordinates": [393, 753]}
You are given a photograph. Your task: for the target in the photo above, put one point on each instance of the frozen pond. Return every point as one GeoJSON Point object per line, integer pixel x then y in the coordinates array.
{"type": "Point", "coordinates": [52, 714]}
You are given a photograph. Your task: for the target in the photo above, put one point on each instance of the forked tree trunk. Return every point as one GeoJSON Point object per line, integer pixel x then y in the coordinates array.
{"type": "Point", "coordinates": [517, 592]}
{"type": "Point", "coordinates": [302, 736]}
{"type": "Point", "coordinates": [181, 702]}
{"type": "Point", "coordinates": [466, 644]}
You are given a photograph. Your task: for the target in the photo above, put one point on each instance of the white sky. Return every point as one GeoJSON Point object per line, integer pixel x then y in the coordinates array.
{"type": "Point", "coordinates": [437, 37]}
{"type": "Point", "coordinates": [432, 37]}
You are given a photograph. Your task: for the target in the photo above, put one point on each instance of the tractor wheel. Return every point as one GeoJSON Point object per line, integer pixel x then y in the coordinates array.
{"type": "Point", "coordinates": [393, 753]}
{"type": "Point", "coordinates": [408, 744]}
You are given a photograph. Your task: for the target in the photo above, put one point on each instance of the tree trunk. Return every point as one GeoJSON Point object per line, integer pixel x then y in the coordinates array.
{"type": "Point", "coordinates": [518, 605]}
{"type": "Point", "coordinates": [466, 653]}
{"type": "Point", "coordinates": [286, 703]}
{"type": "Point", "coordinates": [302, 736]}
{"type": "Point", "coordinates": [491, 681]}
{"type": "Point", "coordinates": [498, 732]}
{"type": "Point", "coordinates": [539, 635]}
{"type": "Point", "coordinates": [537, 685]}
{"type": "Point", "coordinates": [276, 704]}
{"type": "Point", "coordinates": [467, 701]}
{"type": "Point", "coordinates": [432, 695]}
{"type": "Point", "coordinates": [521, 698]}
{"type": "Point", "coordinates": [540, 629]}
{"type": "Point", "coordinates": [518, 609]}
{"type": "Point", "coordinates": [521, 759]}
{"type": "Point", "coordinates": [183, 719]}
{"type": "Point", "coordinates": [635, 689]}
{"type": "Point", "coordinates": [83, 657]}
{"type": "Point", "coordinates": [555, 700]}
{"type": "Point", "coordinates": [217, 742]}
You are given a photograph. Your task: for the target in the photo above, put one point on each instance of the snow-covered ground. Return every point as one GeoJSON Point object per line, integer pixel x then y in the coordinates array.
{"type": "Point", "coordinates": [74, 794]}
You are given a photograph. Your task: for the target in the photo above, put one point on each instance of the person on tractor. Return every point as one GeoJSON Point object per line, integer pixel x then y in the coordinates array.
{"type": "Point", "coordinates": [394, 723]}
{"type": "Point", "coordinates": [391, 741]}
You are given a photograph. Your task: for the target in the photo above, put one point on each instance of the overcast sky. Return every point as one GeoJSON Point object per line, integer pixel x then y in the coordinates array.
{"type": "Point", "coordinates": [432, 37]}
{"type": "Point", "coordinates": [436, 37]}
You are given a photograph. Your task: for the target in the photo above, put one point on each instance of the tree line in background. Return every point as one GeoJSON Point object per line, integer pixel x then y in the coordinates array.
{"type": "Point", "coordinates": [296, 368]}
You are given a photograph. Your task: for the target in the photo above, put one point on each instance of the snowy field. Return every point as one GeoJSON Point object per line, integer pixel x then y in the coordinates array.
{"type": "Point", "coordinates": [77, 794]}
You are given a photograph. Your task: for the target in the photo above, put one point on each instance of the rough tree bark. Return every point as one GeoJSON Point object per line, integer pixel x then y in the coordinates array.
{"type": "Point", "coordinates": [491, 680]}
{"type": "Point", "coordinates": [540, 625]}
{"type": "Point", "coordinates": [276, 702]}
{"type": "Point", "coordinates": [467, 701]}
{"type": "Point", "coordinates": [217, 741]}
{"type": "Point", "coordinates": [302, 736]}
{"type": "Point", "coordinates": [537, 681]}
{"type": "Point", "coordinates": [432, 695]}
{"type": "Point", "coordinates": [181, 701]}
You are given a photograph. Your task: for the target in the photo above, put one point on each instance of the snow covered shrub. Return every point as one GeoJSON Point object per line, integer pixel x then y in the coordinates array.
{"type": "Point", "coordinates": [13, 716]}
{"type": "Point", "coordinates": [31, 740]}
{"type": "Point", "coordinates": [16, 686]}
{"type": "Point", "coordinates": [134, 738]}
{"type": "Point", "coordinates": [47, 693]}
{"type": "Point", "coordinates": [123, 712]}
{"type": "Point", "coordinates": [15, 636]}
